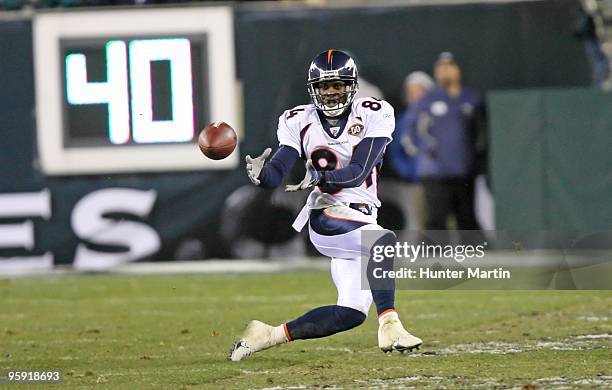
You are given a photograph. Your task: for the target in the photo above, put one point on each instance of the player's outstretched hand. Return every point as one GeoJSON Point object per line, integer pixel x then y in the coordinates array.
{"type": "Point", "coordinates": [311, 179]}
{"type": "Point", "coordinates": [255, 165]}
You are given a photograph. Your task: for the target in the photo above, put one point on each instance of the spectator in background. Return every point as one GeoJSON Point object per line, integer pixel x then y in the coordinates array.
{"type": "Point", "coordinates": [585, 29]}
{"type": "Point", "coordinates": [402, 151]}
{"type": "Point", "coordinates": [447, 128]}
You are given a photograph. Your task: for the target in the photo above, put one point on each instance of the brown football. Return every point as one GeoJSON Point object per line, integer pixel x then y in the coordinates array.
{"type": "Point", "coordinates": [217, 140]}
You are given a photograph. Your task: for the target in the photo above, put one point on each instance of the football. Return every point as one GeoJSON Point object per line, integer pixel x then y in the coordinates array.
{"type": "Point", "coordinates": [217, 140]}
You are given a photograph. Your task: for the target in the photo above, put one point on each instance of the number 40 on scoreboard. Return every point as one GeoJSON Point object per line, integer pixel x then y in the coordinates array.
{"type": "Point", "coordinates": [128, 89]}
{"type": "Point", "coordinates": [147, 93]}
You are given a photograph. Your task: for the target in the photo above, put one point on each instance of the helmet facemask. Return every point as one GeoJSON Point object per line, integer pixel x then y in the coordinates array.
{"type": "Point", "coordinates": [332, 66]}
{"type": "Point", "coordinates": [342, 100]}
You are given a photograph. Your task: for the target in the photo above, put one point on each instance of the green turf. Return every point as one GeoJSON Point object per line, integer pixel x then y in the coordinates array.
{"type": "Point", "coordinates": [175, 331]}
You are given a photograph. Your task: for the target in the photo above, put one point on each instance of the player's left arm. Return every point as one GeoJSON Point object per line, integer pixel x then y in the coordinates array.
{"type": "Point", "coordinates": [367, 154]}
{"type": "Point", "coordinates": [379, 121]}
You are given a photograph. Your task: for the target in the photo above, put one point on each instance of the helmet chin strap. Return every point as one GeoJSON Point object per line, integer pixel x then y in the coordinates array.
{"type": "Point", "coordinates": [334, 113]}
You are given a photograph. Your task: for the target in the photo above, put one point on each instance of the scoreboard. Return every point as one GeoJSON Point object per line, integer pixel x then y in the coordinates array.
{"type": "Point", "coordinates": [136, 91]}
{"type": "Point", "coordinates": [128, 90]}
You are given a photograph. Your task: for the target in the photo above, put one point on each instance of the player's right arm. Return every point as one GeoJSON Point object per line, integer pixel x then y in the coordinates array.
{"type": "Point", "coordinates": [275, 171]}
{"type": "Point", "coordinates": [272, 174]}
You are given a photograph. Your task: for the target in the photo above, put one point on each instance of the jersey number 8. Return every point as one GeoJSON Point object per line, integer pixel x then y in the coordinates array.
{"type": "Point", "coordinates": [324, 159]}
{"type": "Point", "coordinates": [374, 106]}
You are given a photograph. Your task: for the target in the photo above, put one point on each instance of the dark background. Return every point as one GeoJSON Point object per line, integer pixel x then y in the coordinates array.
{"type": "Point", "coordinates": [500, 46]}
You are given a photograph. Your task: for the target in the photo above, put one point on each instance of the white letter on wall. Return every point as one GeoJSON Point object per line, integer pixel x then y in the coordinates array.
{"type": "Point", "coordinates": [90, 224]}
{"type": "Point", "coordinates": [21, 235]}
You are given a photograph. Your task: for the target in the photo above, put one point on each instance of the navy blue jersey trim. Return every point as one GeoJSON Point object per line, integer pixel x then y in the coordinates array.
{"type": "Point", "coordinates": [328, 226]}
{"type": "Point", "coordinates": [342, 120]}
{"type": "Point", "coordinates": [302, 136]}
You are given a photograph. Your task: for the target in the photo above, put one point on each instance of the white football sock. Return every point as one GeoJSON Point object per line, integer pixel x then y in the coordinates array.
{"type": "Point", "coordinates": [278, 334]}
{"type": "Point", "coordinates": [387, 314]}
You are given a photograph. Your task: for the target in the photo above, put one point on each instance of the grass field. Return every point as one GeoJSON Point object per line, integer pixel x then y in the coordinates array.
{"type": "Point", "coordinates": [175, 331]}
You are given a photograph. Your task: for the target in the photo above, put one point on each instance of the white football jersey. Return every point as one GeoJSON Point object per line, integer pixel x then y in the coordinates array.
{"type": "Point", "coordinates": [332, 148]}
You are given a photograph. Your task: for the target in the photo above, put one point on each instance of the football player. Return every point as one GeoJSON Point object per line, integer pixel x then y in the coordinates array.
{"type": "Point", "coordinates": [343, 141]}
